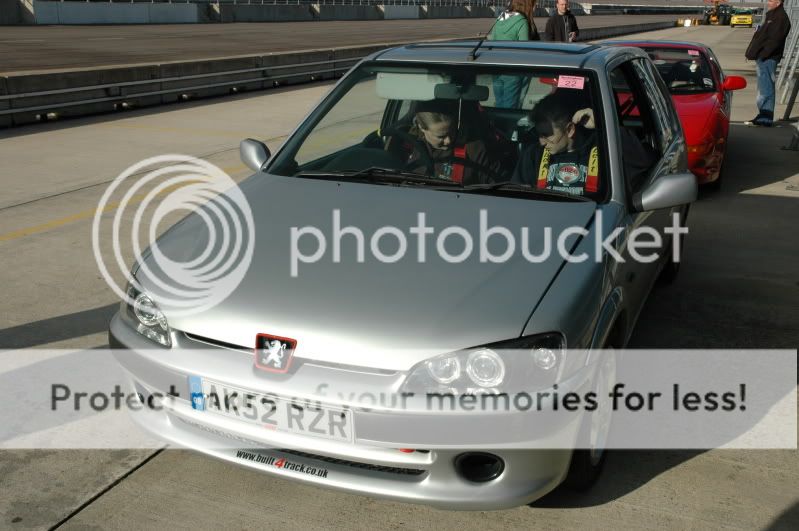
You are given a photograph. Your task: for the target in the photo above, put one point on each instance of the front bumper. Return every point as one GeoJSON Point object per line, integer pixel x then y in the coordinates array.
{"type": "Point", "coordinates": [371, 465]}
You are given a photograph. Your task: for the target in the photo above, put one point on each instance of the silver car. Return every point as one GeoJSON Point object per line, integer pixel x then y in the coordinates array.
{"type": "Point", "coordinates": [366, 285]}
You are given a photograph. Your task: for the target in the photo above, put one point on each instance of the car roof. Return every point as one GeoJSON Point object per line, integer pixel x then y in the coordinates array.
{"type": "Point", "coordinates": [659, 44]}
{"type": "Point", "coordinates": [524, 53]}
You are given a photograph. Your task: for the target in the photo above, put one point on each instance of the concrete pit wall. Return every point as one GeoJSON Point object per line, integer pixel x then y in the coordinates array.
{"type": "Point", "coordinates": [105, 90]}
{"type": "Point", "coordinates": [250, 13]}
{"type": "Point", "coordinates": [400, 12]}
{"type": "Point", "coordinates": [99, 13]}
{"type": "Point", "coordinates": [10, 12]}
{"type": "Point", "coordinates": [349, 12]}
{"type": "Point", "coordinates": [445, 12]}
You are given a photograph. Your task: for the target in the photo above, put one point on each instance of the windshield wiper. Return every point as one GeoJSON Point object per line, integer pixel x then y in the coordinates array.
{"type": "Point", "coordinates": [523, 189]}
{"type": "Point", "coordinates": [376, 174]}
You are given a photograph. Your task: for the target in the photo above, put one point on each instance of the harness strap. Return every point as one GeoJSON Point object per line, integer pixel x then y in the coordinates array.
{"type": "Point", "coordinates": [543, 169]}
{"type": "Point", "coordinates": [457, 167]}
{"type": "Point", "coordinates": [592, 179]}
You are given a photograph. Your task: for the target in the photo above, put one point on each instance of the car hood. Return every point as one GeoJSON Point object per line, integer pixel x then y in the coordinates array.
{"type": "Point", "coordinates": [349, 312]}
{"type": "Point", "coordinates": [695, 112]}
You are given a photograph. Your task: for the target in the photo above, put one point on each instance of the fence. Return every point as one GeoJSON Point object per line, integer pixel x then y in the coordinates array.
{"type": "Point", "coordinates": [788, 78]}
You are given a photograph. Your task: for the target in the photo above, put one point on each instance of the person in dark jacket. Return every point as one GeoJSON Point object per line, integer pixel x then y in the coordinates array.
{"type": "Point", "coordinates": [562, 25]}
{"type": "Point", "coordinates": [440, 151]}
{"type": "Point", "coordinates": [766, 48]}
{"type": "Point", "coordinates": [567, 157]}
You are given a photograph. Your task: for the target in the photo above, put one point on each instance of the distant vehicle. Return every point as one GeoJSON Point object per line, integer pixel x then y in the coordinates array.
{"type": "Point", "coordinates": [742, 17]}
{"type": "Point", "coordinates": [718, 13]}
{"type": "Point", "coordinates": [702, 95]}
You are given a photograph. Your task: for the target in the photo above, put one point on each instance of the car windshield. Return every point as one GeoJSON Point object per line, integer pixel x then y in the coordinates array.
{"type": "Point", "coordinates": [460, 125]}
{"type": "Point", "coordinates": [684, 70]}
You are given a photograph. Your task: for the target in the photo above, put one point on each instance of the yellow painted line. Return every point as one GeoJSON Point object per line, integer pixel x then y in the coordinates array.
{"type": "Point", "coordinates": [88, 214]}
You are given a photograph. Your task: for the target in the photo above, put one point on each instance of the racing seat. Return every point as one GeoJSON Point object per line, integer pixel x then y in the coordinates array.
{"type": "Point", "coordinates": [682, 75]}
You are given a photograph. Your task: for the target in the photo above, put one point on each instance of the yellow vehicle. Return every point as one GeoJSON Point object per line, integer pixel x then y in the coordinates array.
{"type": "Point", "coordinates": [742, 17]}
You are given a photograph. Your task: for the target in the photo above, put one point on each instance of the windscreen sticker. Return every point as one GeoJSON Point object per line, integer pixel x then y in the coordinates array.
{"type": "Point", "coordinates": [571, 82]}
{"type": "Point", "coordinates": [693, 52]}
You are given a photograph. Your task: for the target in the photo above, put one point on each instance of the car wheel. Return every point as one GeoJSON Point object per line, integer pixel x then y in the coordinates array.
{"type": "Point", "coordinates": [715, 186]}
{"type": "Point", "coordinates": [587, 461]}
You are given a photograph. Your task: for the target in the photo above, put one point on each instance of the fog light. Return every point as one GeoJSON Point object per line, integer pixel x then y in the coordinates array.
{"type": "Point", "coordinates": [479, 467]}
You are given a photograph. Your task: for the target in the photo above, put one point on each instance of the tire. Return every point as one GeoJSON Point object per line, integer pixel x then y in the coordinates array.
{"type": "Point", "coordinates": [715, 186]}
{"type": "Point", "coordinates": [587, 463]}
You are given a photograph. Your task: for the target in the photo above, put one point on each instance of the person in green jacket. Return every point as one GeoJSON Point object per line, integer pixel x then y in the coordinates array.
{"type": "Point", "coordinates": [514, 24]}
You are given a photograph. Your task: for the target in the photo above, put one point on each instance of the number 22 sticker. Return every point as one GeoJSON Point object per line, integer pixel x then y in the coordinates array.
{"type": "Point", "coordinates": [571, 82]}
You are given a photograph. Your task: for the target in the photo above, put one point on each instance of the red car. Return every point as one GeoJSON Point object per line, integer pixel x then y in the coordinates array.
{"type": "Point", "coordinates": [702, 97]}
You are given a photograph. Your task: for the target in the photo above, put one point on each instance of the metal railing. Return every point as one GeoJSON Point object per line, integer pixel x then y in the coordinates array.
{"type": "Point", "coordinates": [264, 74]}
{"type": "Point", "coordinates": [787, 78]}
{"type": "Point", "coordinates": [435, 3]}
{"type": "Point", "coordinates": [448, 3]}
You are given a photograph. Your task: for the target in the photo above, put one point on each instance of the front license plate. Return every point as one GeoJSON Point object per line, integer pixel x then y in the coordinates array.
{"type": "Point", "coordinates": [277, 413]}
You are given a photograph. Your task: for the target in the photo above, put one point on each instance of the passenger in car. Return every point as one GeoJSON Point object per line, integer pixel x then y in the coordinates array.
{"type": "Point", "coordinates": [443, 150]}
{"type": "Point", "coordinates": [566, 157]}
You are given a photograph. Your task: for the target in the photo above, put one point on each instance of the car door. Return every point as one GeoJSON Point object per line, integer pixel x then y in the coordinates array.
{"type": "Point", "coordinates": [645, 113]}
{"type": "Point", "coordinates": [725, 109]}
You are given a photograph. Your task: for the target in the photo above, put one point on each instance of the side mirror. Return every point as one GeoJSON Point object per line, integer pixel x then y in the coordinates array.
{"type": "Point", "coordinates": [254, 153]}
{"type": "Point", "coordinates": [666, 192]}
{"type": "Point", "coordinates": [733, 83]}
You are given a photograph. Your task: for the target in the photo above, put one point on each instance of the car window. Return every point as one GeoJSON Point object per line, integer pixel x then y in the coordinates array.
{"type": "Point", "coordinates": [715, 65]}
{"type": "Point", "coordinates": [355, 115]}
{"type": "Point", "coordinates": [684, 70]}
{"type": "Point", "coordinates": [659, 105]}
{"type": "Point", "coordinates": [642, 143]}
{"type": "Point", "coordinates": [469, 124]}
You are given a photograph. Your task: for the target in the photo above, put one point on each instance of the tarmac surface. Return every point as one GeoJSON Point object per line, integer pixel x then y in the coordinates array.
{"type": "Point", "coordinates": [738, 288]}
{"type": "Point", "coordinates": [36, 48]}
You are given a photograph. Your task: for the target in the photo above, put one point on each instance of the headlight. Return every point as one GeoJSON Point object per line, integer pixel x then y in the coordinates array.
{"type": "Point", "coordinates": [705, 147]}
{"type": "Point", "coordinates": [146, 318]}
{"type": "Point", "coordinates": [444, 370]}
{"type": "Point", "coordinates": [511, 366]}
{"type": "Point", "coordinates": [485, 368]}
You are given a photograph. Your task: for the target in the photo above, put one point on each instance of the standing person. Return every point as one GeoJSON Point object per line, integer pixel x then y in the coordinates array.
{"type": "Point", "coordinates": [514, 24]}
{"type": "Point", "coordinates": [766, 49]}
{"type": "Point", "coordinates": [562, 26]}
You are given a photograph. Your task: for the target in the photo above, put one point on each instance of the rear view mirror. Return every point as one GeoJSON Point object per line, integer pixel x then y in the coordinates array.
{"type": "Point", "coordinates": [453, 91]}
{"type": "Point", "coordinates": [666, 192]}
{"type": "Point", "coordinates": [733, 83]}
{"type": "Point", "coordinates": [254, 153]}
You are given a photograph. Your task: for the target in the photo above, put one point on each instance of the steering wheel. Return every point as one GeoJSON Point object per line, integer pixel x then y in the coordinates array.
{"type": "Point", "coordinates": [419, 147]}
{"type": "Point", "coordinates": [427, 161]}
